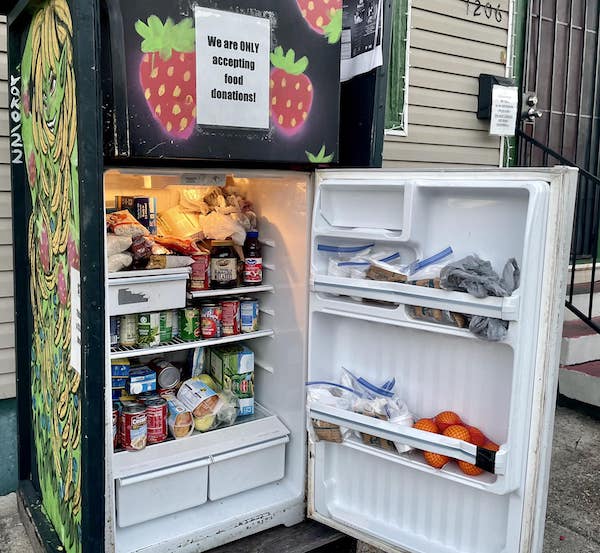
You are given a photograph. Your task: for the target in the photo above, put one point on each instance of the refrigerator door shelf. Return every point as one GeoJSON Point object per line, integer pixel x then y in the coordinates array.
{"type": "Point", "coordinates": [494, 462]}
{"type": "Point", "coordinates": [177, 344]}
{"type": "Point", "coordinates": [408, 294]}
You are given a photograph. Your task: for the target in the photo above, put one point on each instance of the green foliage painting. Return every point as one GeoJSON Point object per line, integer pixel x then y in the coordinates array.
{"type": "Point", "coordinates": [49, 130]}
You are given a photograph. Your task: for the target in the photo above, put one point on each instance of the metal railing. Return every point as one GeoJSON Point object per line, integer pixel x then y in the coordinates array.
{"type": "Point", "coordinates": [584, 245]}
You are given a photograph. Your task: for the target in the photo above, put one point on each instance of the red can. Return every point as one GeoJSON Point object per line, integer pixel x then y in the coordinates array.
{"type": "Point", "coordinates": [211, 318]}
{"type": "Point", "coordinates": [156, 415]}
{"type": "Point", "coordinates": [200, 277]}
{"type": "Point", "coordinates": [231, 317]}
{"type": "Point", "coordinates": [134, 427]}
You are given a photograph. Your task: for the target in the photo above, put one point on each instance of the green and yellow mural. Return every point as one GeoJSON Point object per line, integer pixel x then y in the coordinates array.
{"type": "Point", "coordinates": [49, 128]}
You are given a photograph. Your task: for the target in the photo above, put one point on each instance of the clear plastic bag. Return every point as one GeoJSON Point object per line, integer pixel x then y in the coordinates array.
{"type": "Point", "coordinates": [218, 226]}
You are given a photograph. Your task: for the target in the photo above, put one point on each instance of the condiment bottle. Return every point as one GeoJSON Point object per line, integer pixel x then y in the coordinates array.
{"type": "Point", "coordinates": [253, 267]}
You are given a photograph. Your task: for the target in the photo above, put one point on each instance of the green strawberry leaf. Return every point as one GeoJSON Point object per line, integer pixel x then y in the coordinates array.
{"type": "Point", "coordinates": [288, 62]}
{"type": "Point", "coordinates": [321, 157]}
{"type": "Point", "coordinates": [165, 37]}
{"type": "Point", "coordinates": [333, 30]}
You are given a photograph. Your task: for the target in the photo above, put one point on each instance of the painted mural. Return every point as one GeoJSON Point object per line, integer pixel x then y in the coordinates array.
{"type": "Point", "coordinates": [49, 130]}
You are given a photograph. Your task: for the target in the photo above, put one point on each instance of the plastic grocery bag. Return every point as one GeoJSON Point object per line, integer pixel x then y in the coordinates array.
{"type": "Point", "coordinates": [117, 244]}
{"type": "Point", "coordinates": [218, 226]}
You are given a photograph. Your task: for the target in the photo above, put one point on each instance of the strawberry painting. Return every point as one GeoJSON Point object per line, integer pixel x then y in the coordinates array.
{"type": "Point", "coordinates": [168, 73]}
{"type": "Point", "coordinates": [323, 17]}
{"type": "Point", "coordinates": [291, 91]}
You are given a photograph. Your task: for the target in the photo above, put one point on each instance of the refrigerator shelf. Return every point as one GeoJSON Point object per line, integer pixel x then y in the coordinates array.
{"type": "Point", "coordinates": [506, 309]}
{"type": "Point", "coordinates": [230, 292]}
{"type": "Point", "coordinates": [177, 344]}
{"type": "Point", "coordinates": [494, 462]}
{"type": "Point", "coordinates": [247, 432]}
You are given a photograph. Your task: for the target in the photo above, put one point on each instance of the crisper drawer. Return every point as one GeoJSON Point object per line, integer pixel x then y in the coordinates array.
{"type": "Point", "coordinates": [246, 468]}
{"type": "Point", "coordinates": [142, 294]}
{"type": "Point", "coordinates": [155, 494]}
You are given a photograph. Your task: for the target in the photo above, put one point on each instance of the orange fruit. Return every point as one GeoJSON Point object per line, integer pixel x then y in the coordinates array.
{"type": "Point", "coordinates": [435, 460]}
{"type": "Point", "coordinates": [469, 469]}
{"type": "Point", "coordinates": [427, 425]}
{"type": "Point", "coordinates": [477, 436]}
{"type": "Point", "coordinates": [491, 446]}
{"type": "Point", "coordinates": [446, 419]}
{"type": "Point", "coordinates": [458, 431]}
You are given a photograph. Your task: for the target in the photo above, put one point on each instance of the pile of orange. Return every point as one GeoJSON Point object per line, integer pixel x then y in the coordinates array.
{"type": "Point", "coordinates": [450, 424]}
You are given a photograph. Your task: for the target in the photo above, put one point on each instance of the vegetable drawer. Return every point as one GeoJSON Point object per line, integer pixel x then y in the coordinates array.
{"type": "Point", "coordinates": [247, 468]}
{"type": "Point", "coordinates": [162, 492]}
{"type": "Point", "coordinates": [147, 293]}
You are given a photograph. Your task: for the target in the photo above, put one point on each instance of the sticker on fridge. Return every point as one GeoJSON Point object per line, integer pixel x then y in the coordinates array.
{"type": "Point", "coordinates": [232, 56]}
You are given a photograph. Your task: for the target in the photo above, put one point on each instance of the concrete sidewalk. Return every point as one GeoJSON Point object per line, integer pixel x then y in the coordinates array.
{"type": "Point", "coordinates": [573, 521]}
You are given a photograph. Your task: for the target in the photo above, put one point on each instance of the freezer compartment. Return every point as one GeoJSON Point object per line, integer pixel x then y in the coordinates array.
{"type": "Point", "coordinates": [158, 493]}
{"type": "Point", "coordinates": [241, 470]}
{"type": "Point", "coordinates": [146, 291]}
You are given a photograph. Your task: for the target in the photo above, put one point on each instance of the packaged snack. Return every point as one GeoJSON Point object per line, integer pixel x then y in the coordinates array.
{"type": "Point", "coordinates": [123, 223]}
{"type": "Point", "coordinates": [186, 246]}
{"type": "Point", "coordinates": [141, 249]}
{"type": "Point", "coordinates": [179, 420]}
{"type": "Point", "coordinates": [168, 261]}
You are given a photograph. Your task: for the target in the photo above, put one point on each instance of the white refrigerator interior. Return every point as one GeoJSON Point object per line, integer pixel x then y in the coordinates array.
{"type": "Point", "coordinates": [194, 494]}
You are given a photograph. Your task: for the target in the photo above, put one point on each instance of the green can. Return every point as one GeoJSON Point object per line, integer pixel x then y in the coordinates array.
{"type": "Point", "coordinates": [189, 324]}
{"type": "Point", "coordinates": [166, 326]}
{"type": "Point", "coordinates": [149, 329]}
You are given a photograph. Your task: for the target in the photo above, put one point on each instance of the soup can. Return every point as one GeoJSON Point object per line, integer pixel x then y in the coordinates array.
{"type": "Point", "coordinates": [128, 330]}
{"type": "Point", "coordinates": [168, 375]}
{"type": "Point", "coordinates": [156, 415]}
{"type": "Point", "coordinates": [200, 277]}
{"type": "Point", "coordinates": [249, 314]}
{"type": "Point", "coordinates": [134, 426]}
{"type": "Point", "coordinates": [231, 317]}
{"type": "Point", "coordinates": [189, 324]}
{"type": "Point", "coordinates": [211, 320]}
{"type": "Point", "coordinates": [149, 329]}
{"type": "Point", "coordinates": [166, 326]}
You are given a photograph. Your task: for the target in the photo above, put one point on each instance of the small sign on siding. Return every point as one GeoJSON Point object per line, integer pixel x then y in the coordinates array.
{"type": "Point", "coordinates": [505, 107]}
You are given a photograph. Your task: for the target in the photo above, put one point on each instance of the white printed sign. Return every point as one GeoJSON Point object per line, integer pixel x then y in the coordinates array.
{"type": "Point", "coordinates": [232, 68]}
{"type": "Point", "coordinates": [505, 105]}
{"type": "Point", "coordinates": [75, 319]}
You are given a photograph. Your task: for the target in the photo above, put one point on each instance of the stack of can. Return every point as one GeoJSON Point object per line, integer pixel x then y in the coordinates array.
{"type": "Point", "coordinates": [145, 329]}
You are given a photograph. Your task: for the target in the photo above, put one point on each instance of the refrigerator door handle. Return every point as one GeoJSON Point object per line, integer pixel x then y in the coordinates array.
{"type": "Point", "coordinates": [169, 471]}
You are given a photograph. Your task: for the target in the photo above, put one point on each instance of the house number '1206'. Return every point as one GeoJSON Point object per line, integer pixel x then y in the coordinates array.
{"type": "Point", "coordinates": [479, 9]}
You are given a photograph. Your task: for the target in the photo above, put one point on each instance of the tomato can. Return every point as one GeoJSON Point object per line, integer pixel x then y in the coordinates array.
{"type": "Point", "coordinates": [156, 415]}
{"type": "Point", "coordinates": [200, 277]}
{"type": "Point", "coordinates": [189, 324]}
{"type": "Point", "coordinates": [115, 425]}
{"type": "Point", "coordinates": [211, 317]}
{"type": "Point", "coordinates": [149, 329]}
{"type": "Point", "coordinates": [166, 326]}
{"type": "Point", "coordinates": [231, 317]}
{"type": "Point", "coordinates": [134, 426]}
{"type": "Point", "coordinates": [249, 308]}
{"type": "Point", "coordinates": [128, 330]}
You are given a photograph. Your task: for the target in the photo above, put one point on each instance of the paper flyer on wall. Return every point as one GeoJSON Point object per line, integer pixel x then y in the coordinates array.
{"type": "Point", "coordinates": [361, 37]}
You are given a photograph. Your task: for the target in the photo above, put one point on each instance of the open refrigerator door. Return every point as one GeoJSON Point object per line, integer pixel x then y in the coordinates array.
{"type": "Point", "coordinates": [431, 384]}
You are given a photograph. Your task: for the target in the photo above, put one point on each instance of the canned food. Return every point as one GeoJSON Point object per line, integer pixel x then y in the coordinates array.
{"type": "Point", "coordinates": [166, 326]}
{"type": "Point", "coordinates": [189, 324]}
{"type": "Point", "coordinates": [115, 424]}
{"type": "Point", "coordinates": [175, 316]}
{"type": "Point", "coordinates": [134, 426]}
{"type": "Point", "coordinates": [200, 277]}
{"type": "Point", "coordinates": [149, 329]}
{"type": "Point", "coordinates": [249, 314]}
{"type": "Point", "coordinates": [147, 396]}
{"type": "Point", "coordinates": [128, 330]}
{"type": "Point", "coordinates": [211, 320]}
{"type": "Point", "coordinates": [167, 374]}
{"type": "Point", "coordinates": [114, 332]}
{"type": "Point", "coordinates": [231, 317]}
{"type": "Point", "coordinates": [156, 415]}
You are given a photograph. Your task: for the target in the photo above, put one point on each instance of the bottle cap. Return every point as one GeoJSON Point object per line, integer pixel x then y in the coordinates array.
{"type": "Point", "coordinates": [252, 234]}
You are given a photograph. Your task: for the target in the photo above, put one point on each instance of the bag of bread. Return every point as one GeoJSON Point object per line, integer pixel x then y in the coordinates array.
{"type": "Point", "coordinates": [198, 397]}
{"type": "Point", "coordinates": [179, 420]}
{"type": "Point", "coordinates": [123, 223]}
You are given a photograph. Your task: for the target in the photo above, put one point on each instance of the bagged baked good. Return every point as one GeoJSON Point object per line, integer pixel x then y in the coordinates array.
{"type": "Point", "coordinates": [123, 223]}
{"type": "Point", "coordinates": [182, 246]}
{"type": "Point", "coordinates": [199, 398]}
{"type": "Point", "coordinates": [119, 261]}
{"type": "Point", "coordinates": [117, 244]}
{"type": "Point", "coordinates": [179, 420]}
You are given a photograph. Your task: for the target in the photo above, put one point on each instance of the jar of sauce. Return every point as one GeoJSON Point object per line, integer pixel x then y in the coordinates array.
{"type": "Point", "coordinates": [223, 265]}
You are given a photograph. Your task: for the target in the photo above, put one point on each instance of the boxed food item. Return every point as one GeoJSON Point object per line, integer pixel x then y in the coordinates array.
{"type": "Point", "coordinates": [232, 368]}
{"type": "Point", "coordinates": [143, 208]}
{"type": "Point", "coordinates": [120, 368]}
{"type": "Point", "coordinates": [141, 379]}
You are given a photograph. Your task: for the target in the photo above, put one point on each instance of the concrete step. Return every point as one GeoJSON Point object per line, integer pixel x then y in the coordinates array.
{"type": "Point", "coordinates": [581, 382]}
{"type": "Point", "coordinates": [581, 299]}
{"type": "Point", "coordinates": [580, 343]}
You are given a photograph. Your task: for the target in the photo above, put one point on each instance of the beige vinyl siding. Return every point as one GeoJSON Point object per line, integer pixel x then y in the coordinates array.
{"type": "Point", "coordinates": [448, 50]}
{"type": "Point", "coordinates": [7, 352]}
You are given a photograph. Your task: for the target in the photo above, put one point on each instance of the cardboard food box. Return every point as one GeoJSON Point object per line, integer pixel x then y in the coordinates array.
{"type": "Point", "coordinates": [143, 208]}
{"type": "Point", "coordinates": [232, 367]}
{"type": "Point", "coordinates": [141, 379]}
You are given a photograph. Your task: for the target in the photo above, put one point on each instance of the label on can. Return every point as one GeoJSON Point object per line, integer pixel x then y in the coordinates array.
{"type": "Point", "coordinates": [223, 270]}
{"type": "Point", "coordinates": [156, 416]}
{"type": "Point", "coordinates": [134, 427]}
{"type": "Point", "coordinates": [149, 329]}
{"type": "Point", "coordinates": [200, 277]}
{"type": "Point", "coordinates": [128, 330]}
{"type": "Point", "coordinates": [114, 331]}
{"type": "Point", "coordinates": [189, 324]}
{"type": "Point", "coordinates": [211, 320]}
{"type": "Point", "coordinates": [249, 315]}
{"type": "Point", "coordinates": [166, 326]}
{"type": "Point", "coordinates": [231, 317]}
{"type": "Point", "coordinates": [175, 316]}
{"type": "Point", "coordinates": [253, 270]}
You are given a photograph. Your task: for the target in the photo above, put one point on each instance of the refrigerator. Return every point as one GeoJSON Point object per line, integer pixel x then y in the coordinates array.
{"type": "Point", "coordinates": [272, 468]}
